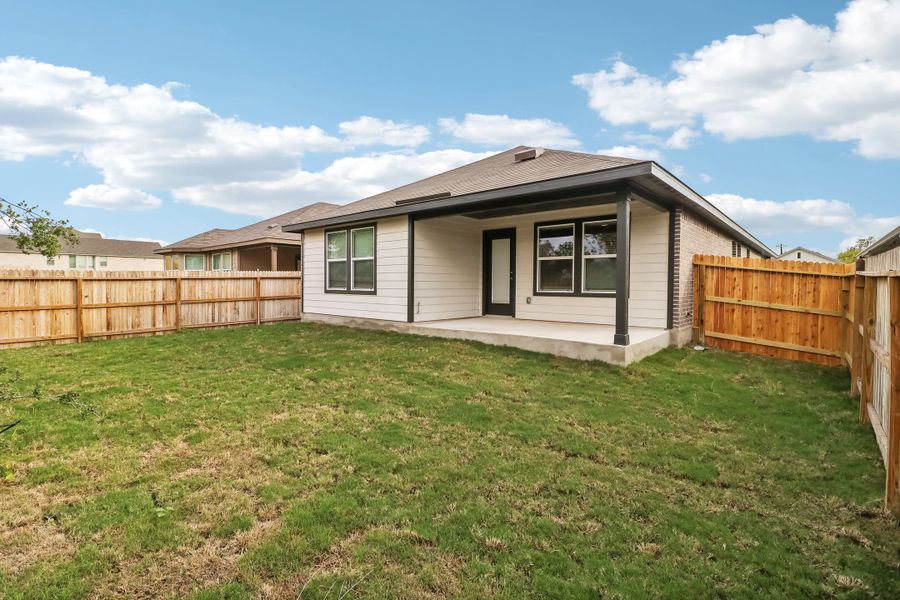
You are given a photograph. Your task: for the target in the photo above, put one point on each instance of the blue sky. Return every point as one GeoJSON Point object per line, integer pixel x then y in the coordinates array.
{"type": "Point", "coordinates": [164, 119]}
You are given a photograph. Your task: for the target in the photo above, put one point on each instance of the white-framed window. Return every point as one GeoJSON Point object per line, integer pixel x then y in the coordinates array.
{"type": "Point", "coordinates": [221, 261]}
{"type": "Point", "coordinates": [350, 262]}
{"type": "Point", "coordinates": [51, 262]}
{"type": "Point", "coordinates": [556, 258]}
{"type": "Point", "coordinates": [194, 262]}
{"type": "Point", "coordinates": [362, 259]}
{"type": "Point", "coordinates": [598, 256]}
{"type": "Point", "coordinates": [81, 261]}
{"type": "Point", "coordinates": [103, 261]}
{"type": "Point", "coordinates": [336, 257]}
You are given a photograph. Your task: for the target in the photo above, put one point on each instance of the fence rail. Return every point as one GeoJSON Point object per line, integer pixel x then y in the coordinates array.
{"type": "Point", "coordinates": [39, 307]}
{"type": "Point", "coordinates": [814, 312]}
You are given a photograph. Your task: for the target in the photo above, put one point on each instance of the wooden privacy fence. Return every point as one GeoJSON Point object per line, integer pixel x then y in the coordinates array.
{"type": "Point", "coordinates": [73, 306]}
{"type": "Point", "coordinates": [873, 354]}
{"type": "Point", "coordinates": [815, 312]}
{"type": "Point", "coordinates": [785, 309]}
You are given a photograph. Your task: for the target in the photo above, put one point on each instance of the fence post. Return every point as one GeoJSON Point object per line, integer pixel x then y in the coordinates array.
{"type": "Point", "coordinates": [846, 344]}
{"type": "Point", "coordinates": [855, 336]}
{"type": "Point", "coordinates": [177, 302]}
{"type": "Point", "coordinates": [700, 290]}
{"type": "Point", "coordinates": [258, 297]}
{"type": "Point", "coordinates": [892, 488]}
{"type": "Point", "coordinates": [868, 326]}
{"type": "Point", "coordinates": [79, 308]}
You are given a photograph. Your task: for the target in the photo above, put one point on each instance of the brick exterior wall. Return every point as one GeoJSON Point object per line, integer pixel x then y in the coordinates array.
{"type": "Point", "coordinates": [692, 236]}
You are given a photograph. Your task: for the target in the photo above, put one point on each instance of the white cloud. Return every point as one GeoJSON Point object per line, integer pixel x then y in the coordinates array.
{"type": "Point", "coordinates": [144, 138]}
{"type": "Point", "coordinates": [789, 77]}
{"type": "Point", "coordinates": [796, 217]}
{"type": "Point", "coordinates": [503, 130]}
{"type": "Point", "coordinates": [346, 179]}
{"type": "Point", "coordinates": [705, 178]}
{"type": "Point", "coordinates": [371, 131]}
{"type": "Point", "coordinates": [632, 151]}
{"type": "Point", "coordinates": [112, 198]}
{"type": "Point", "coordinates": [681, 138]}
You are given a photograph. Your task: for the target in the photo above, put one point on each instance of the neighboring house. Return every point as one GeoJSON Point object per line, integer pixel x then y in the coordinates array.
{"type": "Point", "coordinates": [92, 251]}
{"type": "Point", "coordinates": [884, 254]}
{"type": "Point", "coordinates": [584, 255]}
{"type": "Point", "coordinates": [262, 246]}
{"type": "Point", "coordinates": [805, 254]}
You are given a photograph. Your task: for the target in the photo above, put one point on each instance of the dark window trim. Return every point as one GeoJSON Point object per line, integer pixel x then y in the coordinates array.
{"type": "Point", "coordinates": [349, 262]}
{"type": "Point", "coordinates": [577, 283]}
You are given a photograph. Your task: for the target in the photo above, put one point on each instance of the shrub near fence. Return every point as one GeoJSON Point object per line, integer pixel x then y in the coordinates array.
{"type": "Point", "coordinates": [42, 306]}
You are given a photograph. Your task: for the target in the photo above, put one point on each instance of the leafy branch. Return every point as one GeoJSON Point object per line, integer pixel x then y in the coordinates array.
{"type": "Point", "coordinates": [34, 230]}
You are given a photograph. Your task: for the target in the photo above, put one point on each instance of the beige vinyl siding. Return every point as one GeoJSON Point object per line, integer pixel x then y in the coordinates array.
{"type": "Point", "coordinates": [10, 260]}
{"type": "Point", "coordinates": [448, 269]}
{"type": "Point", "coordinates": [649, 303]}
{"type": "Point", "coordinates": [389, 301]}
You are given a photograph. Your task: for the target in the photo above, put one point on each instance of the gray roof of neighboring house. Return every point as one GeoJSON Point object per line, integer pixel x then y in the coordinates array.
{"type": "Point", "coordinates": [808, 251]}
{"type": "Point", "coordinates": [267, 231]}
{"type": "Point", "coordinates": [889, 241]}
{"type": "Point", "coordinates": [93, 244]}
{"type": "Point", "coordinates": [501, 178]}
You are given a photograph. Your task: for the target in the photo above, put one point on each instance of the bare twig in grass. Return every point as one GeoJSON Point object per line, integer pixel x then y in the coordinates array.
{"type": "Point", "coordinates": [8, 426]}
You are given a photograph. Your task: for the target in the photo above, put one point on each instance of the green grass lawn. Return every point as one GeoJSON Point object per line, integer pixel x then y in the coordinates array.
{"type": "Point", "coordinates": [310, 461]}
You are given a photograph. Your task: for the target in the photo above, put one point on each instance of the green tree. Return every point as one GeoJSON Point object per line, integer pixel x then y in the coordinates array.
{"type": "Point", "coordinates": [34, 230]}
{"type": "Point", "coordinates": [851, 254]}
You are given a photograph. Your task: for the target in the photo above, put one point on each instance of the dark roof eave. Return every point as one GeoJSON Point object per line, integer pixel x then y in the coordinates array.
{"type": "Point", "coordinates": [625, 172]}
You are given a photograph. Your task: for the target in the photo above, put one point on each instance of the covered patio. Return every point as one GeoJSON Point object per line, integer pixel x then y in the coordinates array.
{"type": "Point", "coordinates": [582, 341]}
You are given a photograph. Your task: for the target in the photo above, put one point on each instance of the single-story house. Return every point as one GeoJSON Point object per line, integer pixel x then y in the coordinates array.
{"type": "Point", "coordinates": [576, 254]}
{"type": "Point", "coordinates": [884, 254]}
{"type": "Point", "coordinates": [92, 251]}
{"type": "Point", "coordinates": [261, 246]}
{"type": "Point", "coordinates": [805, 254]}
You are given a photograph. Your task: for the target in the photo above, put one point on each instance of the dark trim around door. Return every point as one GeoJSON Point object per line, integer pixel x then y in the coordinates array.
{"type": "Point", "coordinates": [487, 308]}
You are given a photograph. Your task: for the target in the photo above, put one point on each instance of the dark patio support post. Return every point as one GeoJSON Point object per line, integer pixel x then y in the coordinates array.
{"type": "Point", "coordinates": [410, 271]}
{"type": "Point", "coordinates": [623, 265]}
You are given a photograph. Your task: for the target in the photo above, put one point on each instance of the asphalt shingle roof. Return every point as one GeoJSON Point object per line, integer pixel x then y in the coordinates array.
{"type": "Point", "coordinates": [268, 229]}
{"type": "Point", "coordinates": [93, 244]}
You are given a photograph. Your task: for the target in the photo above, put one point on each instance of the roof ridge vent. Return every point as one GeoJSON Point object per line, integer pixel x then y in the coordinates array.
{"type": "Point", "coordinates": [527, 154]}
